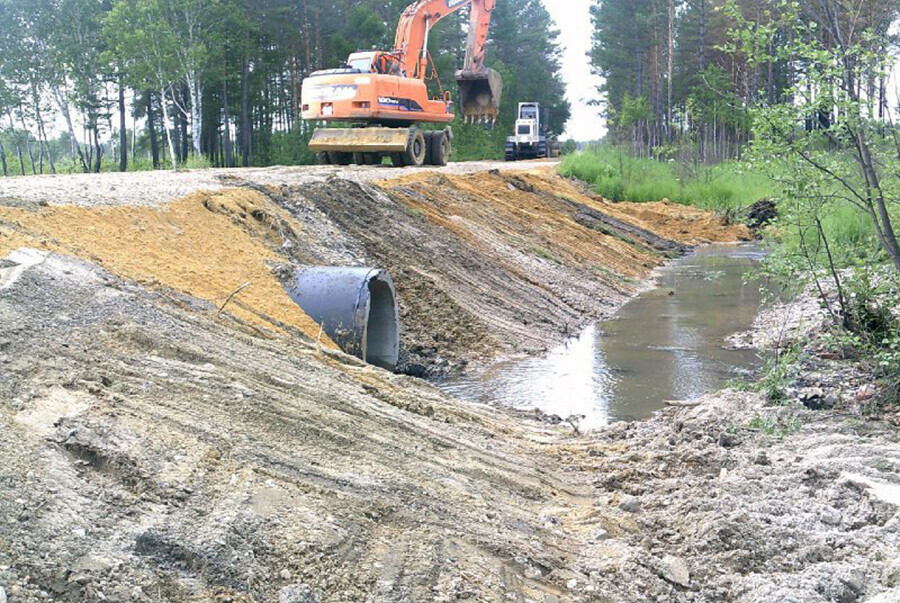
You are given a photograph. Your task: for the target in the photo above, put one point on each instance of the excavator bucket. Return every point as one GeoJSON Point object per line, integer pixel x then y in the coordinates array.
{"type": "Point", "coordinates": [479, 93]}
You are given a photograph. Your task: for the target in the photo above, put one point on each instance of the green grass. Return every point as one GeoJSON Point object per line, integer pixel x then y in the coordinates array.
{"type": "Point", "coordinates": [619, 177]}
{"type": "Point", "coordinates": [545, 255]}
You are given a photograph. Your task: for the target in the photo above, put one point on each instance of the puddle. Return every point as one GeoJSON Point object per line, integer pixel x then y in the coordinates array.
{"type": "Point", "coordinates": [666, 344]}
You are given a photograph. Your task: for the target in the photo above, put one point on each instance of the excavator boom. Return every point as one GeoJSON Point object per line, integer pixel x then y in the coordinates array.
{"type": "Point", "coordinates": [480, 88]}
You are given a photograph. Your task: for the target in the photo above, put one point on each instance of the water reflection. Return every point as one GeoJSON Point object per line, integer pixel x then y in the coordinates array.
{"type": "Point", "coordinates": [666, 344]}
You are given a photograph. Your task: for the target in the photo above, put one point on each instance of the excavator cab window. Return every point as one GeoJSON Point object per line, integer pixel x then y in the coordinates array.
{"type": "Point", "coordinates": [363, 64]}
{"type": "Point", "coordinates": [529, 113]}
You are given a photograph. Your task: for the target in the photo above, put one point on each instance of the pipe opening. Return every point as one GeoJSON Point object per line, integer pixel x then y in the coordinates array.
{"type": "Point", "coordinates": [356, 307]}
{"type": "Point", "coordinates": [382, 331]}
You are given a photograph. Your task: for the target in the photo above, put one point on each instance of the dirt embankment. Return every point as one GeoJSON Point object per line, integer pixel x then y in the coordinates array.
{"type": "Point", "coordinates": [153, 451]}
{"type": "Point", "coordinates": [487, 263]}
{"type": "Point", "coordinates": [156, 449]}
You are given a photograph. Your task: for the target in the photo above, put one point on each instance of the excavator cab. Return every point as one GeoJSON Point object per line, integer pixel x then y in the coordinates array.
{"type": "Point", "coordinates": [479, 94]}
{"type": "Point", "coordinates": [384, 63]}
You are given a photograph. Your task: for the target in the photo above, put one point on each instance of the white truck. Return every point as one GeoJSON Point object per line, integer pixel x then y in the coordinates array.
{"type": "Point", "coordinates": [531, 140]}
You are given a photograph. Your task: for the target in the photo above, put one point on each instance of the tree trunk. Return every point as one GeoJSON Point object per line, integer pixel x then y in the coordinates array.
{"type": "Point", "coordinates": [40, 153]}
{"type": "Point", "coordinates": [63, 105]}
{"type": "Point", "coordinates": [295, 90]}
{"type": "Point", "coordinates": [98, 162]}
{"type": "Point", "coordinates": [35, 98]}
{"type": "Point", "coordinates": [27, 139]}
{"type": "Point", "coordinates": [670, 69]}
{"type": "Point", "coordinates": [12, 129]}
{"type": "Point", "coordinates": [123, 130]}
{"type": "Point", "coordinates": [133, 132]}
{"type": "Point", "coordinates": [185, 144]}
{"type": "Point", "coordinates": [229, 149]}
{"type": "Point", "coordinates": [176, 130]}
{"type": "Point", "coordinates": [151, 127]}
{"type": "Point", "coordinates": [165, 112]}
{"type": "Point", "coordinates": [245, 113]}
{"type": "Point", "coordinates": [195, 90]}
{"type": "Point", "coordinates": [42, 131]}
{"type": "Point", "coordinates": [882, 218]}
{"type": "Point", "coordinates": [3, 159]}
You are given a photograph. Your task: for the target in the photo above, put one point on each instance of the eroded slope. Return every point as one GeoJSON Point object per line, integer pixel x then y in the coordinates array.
{"type": "Point", "coordinates": [486, 264]}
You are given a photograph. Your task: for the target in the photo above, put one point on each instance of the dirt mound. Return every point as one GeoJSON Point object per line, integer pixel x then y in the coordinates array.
{"type": "Point", "coordinates": [152, 450]}
{"type": "Point", "coordinates": [151, 453]}
{"type": "Point", "coordinates": [487, 264]}
{"type": "Point", "coordinates": [209, 245]}
{"type": "Point", "coordinates": [492, 263]}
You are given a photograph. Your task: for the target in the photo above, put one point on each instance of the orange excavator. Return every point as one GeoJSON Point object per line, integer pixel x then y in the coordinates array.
{"type": "Point", "coordinates": [378, 98]}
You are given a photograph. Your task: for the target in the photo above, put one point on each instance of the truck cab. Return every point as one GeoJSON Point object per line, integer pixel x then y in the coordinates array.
{"type": "Point", "coordinates": [528, 125]}
{"type": "Point", "coordinates": [530, 139]}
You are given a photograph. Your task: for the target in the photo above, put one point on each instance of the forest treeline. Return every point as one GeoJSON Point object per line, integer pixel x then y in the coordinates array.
{"type": "Point", "coordinates": [675, 83]}
{"type": "Point", "coordinates": [217, 82]}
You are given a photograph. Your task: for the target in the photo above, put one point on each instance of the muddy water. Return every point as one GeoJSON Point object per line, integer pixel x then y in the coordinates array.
{"type": "Point", "coordinates": [666, 344]}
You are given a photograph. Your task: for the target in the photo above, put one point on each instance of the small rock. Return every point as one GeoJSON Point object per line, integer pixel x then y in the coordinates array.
{"type": "Point", "coordinates": [816, 399]}
{"type": "Point", "coordinates": [571, 584]}
{"type": "Point", "coordinates": [630, 504]}
{"type": "Point", "coordinates": [533, 573]}
{"type": "Point", "coordinates": [762, 459]}
{"type": "Point", "coordinates": [831, 517]}
{"type": "Point", "coordinates": [298, 593]}
{"type": "Point", "coordinates": [675, 570]}
{"type": "Point", "coordinates": [891, 575]}
{"type": "Point", "coordinates": [729, 440]}
{"type": "Point", "coordinates": [2, 595]}
{"type": "Point", "coordinates": [285, 574]}
{"type": "Point", "coordinates": [866, 392]}
{"type": "Point", "coordinates": [816, 392]}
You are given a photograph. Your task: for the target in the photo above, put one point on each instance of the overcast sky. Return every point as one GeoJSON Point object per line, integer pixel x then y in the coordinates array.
{"type": "Point", "coordinates": [574, 21]}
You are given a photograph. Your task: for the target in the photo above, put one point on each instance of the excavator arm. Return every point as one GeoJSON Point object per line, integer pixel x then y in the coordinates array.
{"type": "Point", "coordinates": [480, 87]}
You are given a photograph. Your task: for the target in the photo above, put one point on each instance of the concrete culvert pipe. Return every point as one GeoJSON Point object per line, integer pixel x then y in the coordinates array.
{"type": "Point", "coordinates": [356, 307]}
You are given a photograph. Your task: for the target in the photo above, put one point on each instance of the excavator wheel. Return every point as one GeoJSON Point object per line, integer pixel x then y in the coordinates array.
{"type": "Point", "coordinates": [439, 146]}
{"type": "Point", "coordinates": [340, 158]}
{"type": "Point", "coordinates": [416, 149]}
{"type": "Point", "coordinates": [366, 158]}
{"type": "Point", "coordinates": [429, 135]}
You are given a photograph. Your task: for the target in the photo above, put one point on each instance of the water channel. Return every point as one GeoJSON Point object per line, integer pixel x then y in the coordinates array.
{"type": "Point", "coordinates": [668, 343]}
